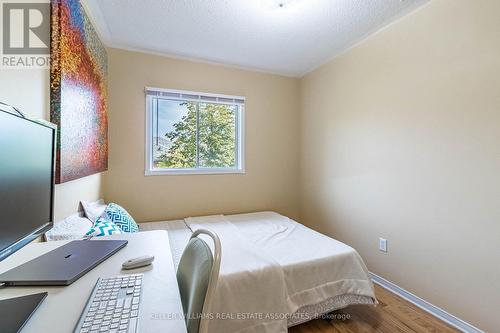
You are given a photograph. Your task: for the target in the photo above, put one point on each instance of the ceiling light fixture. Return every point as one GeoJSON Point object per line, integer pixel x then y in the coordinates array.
{"type": "Point", "coordinates": [281, 3]}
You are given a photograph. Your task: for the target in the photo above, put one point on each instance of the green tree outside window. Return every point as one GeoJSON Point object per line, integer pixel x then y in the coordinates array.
{"type": "Point", "coordinates": [205, 137]}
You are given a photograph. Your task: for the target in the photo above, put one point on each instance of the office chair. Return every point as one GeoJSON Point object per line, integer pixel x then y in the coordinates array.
{"type": "Point", "coordinates": [197, 276]}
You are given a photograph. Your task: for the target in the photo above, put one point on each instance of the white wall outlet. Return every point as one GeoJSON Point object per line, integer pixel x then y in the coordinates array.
{"type": "Point", "coordinates": [382, 244]}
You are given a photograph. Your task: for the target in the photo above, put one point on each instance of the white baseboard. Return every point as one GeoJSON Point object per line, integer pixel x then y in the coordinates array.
{"type": "Point", "coordinates": [426, 306]}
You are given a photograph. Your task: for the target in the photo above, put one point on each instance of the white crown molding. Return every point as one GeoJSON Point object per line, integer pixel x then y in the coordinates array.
{"type": "Point", "coordinates": [96, 17]}
{"type": "Point", "coordinates": [385, 25]}
{"type": "Point", "coordinates": [200, 61]}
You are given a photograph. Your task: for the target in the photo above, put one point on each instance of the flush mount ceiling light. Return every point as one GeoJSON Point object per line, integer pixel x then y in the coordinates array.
{"type": "Point", "coordinates": [277, 4]}
{"type": "Point", "coordinates": [281, 4]}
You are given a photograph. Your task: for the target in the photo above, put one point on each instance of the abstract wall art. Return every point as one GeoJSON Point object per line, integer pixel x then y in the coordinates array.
{"type": "Point", "coordinates": [78, 95]}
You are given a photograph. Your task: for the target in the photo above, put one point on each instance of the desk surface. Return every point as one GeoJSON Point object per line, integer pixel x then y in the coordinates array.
{"type": "Point", "coordinates": [161, 308]}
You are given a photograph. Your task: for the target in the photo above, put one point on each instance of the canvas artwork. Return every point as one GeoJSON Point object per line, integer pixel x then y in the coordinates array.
{"type": "Point", "coordinates": [78, 93]}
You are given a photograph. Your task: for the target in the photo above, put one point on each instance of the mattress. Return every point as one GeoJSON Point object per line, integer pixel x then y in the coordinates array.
{"type": "Point", "coordinates": [320, 273]}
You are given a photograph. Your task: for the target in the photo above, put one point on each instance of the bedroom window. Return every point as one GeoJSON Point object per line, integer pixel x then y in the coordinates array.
{"type": "Point", "coordinates": [193, 133]}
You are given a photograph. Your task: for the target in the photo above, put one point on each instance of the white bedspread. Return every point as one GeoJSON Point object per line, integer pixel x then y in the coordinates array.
{"type": "Point", "coordinates": [316, 267]}
{"type": "Point", "coordinates": [251, 286]}
{"type": "Point", "coordinates": [273, 265]}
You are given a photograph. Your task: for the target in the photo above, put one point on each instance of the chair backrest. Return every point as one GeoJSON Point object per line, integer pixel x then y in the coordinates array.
{"type": "Point", "coordinates": [197, 276]}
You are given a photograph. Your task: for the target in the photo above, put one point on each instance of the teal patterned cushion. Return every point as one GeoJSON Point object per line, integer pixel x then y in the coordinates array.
{"type": "Point", "coordinates": [103, 227]}
{"type": "Point", "coordinates": [119, 216]}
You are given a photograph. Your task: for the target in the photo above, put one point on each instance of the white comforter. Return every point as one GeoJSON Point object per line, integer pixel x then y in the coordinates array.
{"type": "Point", "coordinates": [271, 266]}
{"type": "Point", "coordinates": [251, 284]}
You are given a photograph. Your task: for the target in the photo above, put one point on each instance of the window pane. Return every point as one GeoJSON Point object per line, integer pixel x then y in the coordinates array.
{"type": "Point", "coordinates": [217, 135]}
{"type": "Point", "coordinates": [174, 134]}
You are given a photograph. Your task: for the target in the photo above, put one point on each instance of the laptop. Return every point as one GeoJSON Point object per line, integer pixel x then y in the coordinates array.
{"type": "Point", "coordinates": [64, 265]}
{"type": "Point", "coordinates": [19, 311]}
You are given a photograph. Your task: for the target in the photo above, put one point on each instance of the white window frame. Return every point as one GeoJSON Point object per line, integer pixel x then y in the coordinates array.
{"type": "Point", "coordinates": [170, 95]}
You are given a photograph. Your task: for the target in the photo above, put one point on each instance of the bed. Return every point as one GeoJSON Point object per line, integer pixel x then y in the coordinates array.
{"type": "Point", "coordinates": [275, 272]}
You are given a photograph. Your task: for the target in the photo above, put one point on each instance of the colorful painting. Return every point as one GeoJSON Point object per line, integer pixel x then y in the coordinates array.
{"type": "Point", "coordinates": [78, 92]}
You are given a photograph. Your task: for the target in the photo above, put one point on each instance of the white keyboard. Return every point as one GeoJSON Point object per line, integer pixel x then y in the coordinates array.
{"type": "Point", "coordinates": [113, 306]}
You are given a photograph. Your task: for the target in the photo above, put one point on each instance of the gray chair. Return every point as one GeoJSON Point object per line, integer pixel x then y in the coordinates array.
{"type": "Point", "coordinates": [197, 276]}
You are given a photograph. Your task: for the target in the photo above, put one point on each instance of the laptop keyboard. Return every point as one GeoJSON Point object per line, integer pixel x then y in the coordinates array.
{"type": "Point", "coordinates": [113, 306]}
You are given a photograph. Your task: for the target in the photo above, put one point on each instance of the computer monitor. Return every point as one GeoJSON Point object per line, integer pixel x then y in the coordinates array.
{"type": "Point", "coordinates": [27, 159]}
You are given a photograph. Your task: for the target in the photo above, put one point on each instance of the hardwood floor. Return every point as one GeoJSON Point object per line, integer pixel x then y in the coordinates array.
{"type": "Point", "coordinates": [393, 314]}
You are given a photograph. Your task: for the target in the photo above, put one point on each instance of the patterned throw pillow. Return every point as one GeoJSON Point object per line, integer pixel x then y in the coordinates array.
{"type": "Point", "coordinates": [119, 216]}
{"type": "Point", "coordinates": [103, 227]}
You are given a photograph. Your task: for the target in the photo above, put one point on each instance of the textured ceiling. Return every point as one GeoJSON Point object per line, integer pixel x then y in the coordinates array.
{"type": "Point", "coordinates": [256, 34]}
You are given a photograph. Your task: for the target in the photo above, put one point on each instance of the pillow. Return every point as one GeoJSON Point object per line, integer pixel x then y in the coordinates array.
{"type": "Point", "coordinates": [93, 210]}
{"type": "Point", "coordinates": [119, 216]}
{"type": "Point", "coordinates": [103, 227]}
{"type": "Point", "coordinates": [72, 227]}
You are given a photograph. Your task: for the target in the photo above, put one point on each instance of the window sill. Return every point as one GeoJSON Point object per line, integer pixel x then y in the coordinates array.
{"type": "Point", "coordinates": [174, 172]}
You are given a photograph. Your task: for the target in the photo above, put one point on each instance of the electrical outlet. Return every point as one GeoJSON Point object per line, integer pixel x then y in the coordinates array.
{"type": "Point", "coordinates": [382, 244]}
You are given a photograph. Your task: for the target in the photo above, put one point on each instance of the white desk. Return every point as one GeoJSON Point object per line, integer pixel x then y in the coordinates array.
{"type": "Point", "coordinates": [161, 308]}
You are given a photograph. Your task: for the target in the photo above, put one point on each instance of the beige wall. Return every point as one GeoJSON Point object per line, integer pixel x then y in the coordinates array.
{"type": "Point", "coordinates": [401, 139]}
{"type": "Point", "coordinates": [28, 89]}
{"type": "Point", "coordinates": [271, 119]}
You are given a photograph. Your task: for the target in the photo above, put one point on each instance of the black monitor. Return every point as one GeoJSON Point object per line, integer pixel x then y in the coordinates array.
{"type": "Point", "coordinates": [27, 159]}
